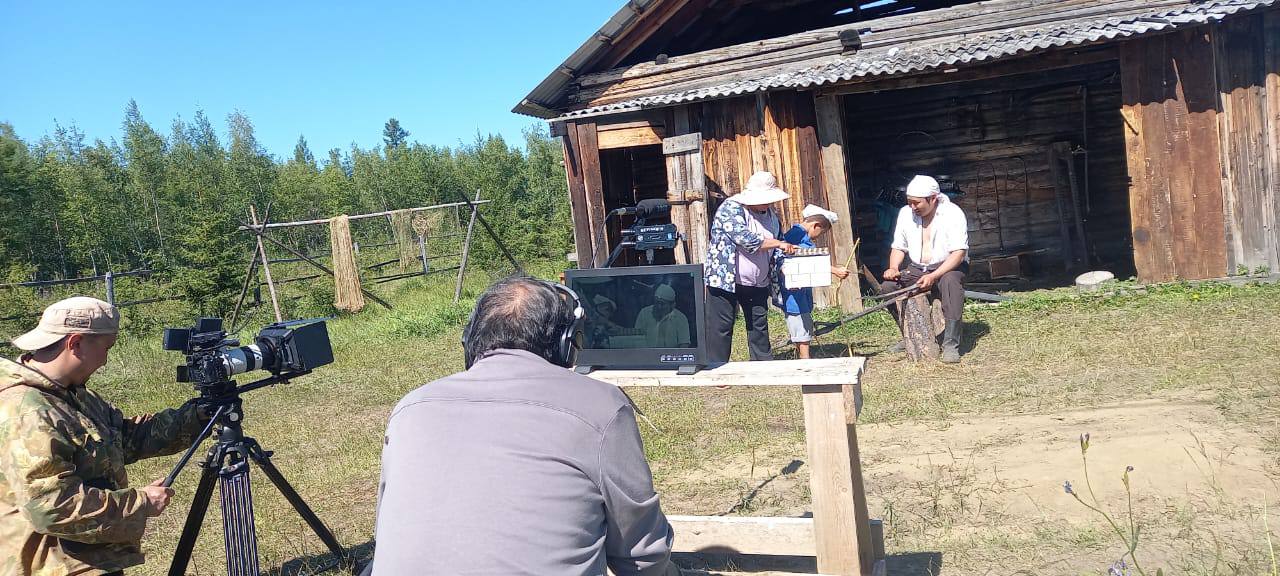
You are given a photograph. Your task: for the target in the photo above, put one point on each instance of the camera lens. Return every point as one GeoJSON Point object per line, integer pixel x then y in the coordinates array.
{"type": "Point", "coordinates": [246, 358]}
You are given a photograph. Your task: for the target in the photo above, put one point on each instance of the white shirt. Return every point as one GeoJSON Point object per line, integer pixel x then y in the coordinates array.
{"type": "Point", "coordinates": [950, 233]}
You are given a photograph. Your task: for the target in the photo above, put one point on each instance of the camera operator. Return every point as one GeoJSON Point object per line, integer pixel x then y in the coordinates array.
{"type": "Point", "coordinates": [65, 504]}
{"type": "Point", "coordinates": [518, 466]}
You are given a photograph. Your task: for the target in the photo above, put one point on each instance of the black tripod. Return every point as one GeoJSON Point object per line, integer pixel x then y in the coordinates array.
{"type": "Point", "coordinates": [228, 460]}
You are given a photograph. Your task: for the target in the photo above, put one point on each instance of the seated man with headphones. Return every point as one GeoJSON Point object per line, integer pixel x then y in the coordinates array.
{"type": "Point", "coordinates": [517, 465]}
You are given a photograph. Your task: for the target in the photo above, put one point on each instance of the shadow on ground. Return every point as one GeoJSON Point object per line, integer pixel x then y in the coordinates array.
{"type": "Point", "coordinates": [360, 555]}
{"type": "Point", "coordinates": [749, 500]}
{"type": "Point", "coordinates": [712, 562]}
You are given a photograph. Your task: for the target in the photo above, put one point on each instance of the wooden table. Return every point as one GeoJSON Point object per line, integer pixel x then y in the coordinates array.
{"type": "Point", "coordinates": [840, 532]}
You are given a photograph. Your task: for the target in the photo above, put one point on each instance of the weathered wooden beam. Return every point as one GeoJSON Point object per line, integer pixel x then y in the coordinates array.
{"type": "Point", "coordinates": [841, 525]}
{"type": "Point", "coordinates": [578, 198]}
{"type": "Point", "coordinates": [817, 371]}
{"type": "Point", "coordinates": [358, 216]}
{"type": "Point", "coordinates": [836, 184]}
{"type": "Point", "coordinates": [744, 535]}
{"type": "Point", "coordinates": [628, 137]}
{"type": "Point", "coordinates": [593, 181]}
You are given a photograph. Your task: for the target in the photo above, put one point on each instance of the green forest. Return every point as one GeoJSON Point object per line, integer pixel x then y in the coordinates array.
{"type": "Point", "coordinates": [169, 200]}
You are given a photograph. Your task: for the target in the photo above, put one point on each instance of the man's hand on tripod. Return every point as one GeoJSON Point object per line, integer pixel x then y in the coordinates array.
{"type": "Point", "coordinates": [157, 496]}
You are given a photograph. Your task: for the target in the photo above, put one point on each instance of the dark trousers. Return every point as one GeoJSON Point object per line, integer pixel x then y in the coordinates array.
{"type": "Point", "coordinates": [949, 288]}
{"type": "Point", "coordinates": [722, 311]}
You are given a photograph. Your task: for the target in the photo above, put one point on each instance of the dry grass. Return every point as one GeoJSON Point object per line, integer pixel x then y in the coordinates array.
{"type": "Point", "coordinates": [735, 451]}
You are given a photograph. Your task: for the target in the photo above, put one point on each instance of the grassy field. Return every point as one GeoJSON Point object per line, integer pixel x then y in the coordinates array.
{"type": "Point", "coordinates": [965, 464]}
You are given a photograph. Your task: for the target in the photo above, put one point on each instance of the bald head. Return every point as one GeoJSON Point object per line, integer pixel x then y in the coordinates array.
{"type": "Point", "coordinates": [518, 313]}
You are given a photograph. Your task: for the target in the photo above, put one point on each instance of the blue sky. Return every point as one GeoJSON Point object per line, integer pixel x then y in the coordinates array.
{"type": "Point", "coordinates": [332, 71]}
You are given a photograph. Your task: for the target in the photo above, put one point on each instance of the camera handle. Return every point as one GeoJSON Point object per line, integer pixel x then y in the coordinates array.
{"type": "Point", "coordinates": [186, 456]}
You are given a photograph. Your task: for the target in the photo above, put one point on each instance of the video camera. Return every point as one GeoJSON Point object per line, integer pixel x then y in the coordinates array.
{"type": "Point", "coordinates": [643, 237]}
{"type": "Point", "coordinates": [284, 349]}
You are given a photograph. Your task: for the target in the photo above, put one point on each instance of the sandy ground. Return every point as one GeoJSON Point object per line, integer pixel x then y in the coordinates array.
{"type": "Point", "coordinates": [985, 495]}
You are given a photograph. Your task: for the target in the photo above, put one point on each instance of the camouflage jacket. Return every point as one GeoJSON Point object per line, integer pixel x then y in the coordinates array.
{"type": "Point", "coordinates": [65, 505]}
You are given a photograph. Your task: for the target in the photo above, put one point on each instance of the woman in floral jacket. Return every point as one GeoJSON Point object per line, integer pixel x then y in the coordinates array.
{"type": "Point", "coordinates": [744, 238]}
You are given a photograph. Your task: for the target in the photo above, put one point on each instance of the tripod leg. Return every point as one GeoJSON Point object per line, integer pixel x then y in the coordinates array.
{"type": "Point", "coordinates": [241, 540]}
{"type": "Point", "coordinates": [260, 457]}
{"type": "Point", "coordinates": [195, 517]}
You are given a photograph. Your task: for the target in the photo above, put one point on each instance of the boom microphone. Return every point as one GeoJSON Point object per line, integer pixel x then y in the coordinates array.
{"type": "Point", "coordinates": [650, 208]}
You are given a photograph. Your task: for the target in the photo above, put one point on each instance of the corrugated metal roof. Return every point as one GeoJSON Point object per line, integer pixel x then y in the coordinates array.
{"type": "Point", "coordinates": [909, 57]}
{"type": "Point", "coordinates": [554, 84]}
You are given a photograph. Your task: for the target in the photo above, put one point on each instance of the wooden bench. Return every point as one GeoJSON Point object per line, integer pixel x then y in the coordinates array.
{"type": "Point", "coordinates": [840, 532]}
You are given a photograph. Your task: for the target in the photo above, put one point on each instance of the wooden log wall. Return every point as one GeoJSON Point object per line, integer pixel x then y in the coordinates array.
{"type": "Point", "coordinates": [775, 132]}
{"type": "Point", "coordinates": [1172, 144]}
{"type": "Point", "coordinates": [1247, 54]}
{"type": "Point", "coordinates": [992, 137]}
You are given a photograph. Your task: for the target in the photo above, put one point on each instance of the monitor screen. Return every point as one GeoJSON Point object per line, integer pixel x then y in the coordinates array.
{"type": "Point", "coordinates": [644, 315]}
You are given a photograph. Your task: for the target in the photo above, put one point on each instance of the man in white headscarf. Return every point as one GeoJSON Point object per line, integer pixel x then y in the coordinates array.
{"type": "Point", "coordinates": [932, 239]}
{"type": "Point", "coordinates": [661, 323]}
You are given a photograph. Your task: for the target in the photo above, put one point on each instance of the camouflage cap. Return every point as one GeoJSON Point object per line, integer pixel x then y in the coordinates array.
{"type": "Point", "coordinates": [75, 315]}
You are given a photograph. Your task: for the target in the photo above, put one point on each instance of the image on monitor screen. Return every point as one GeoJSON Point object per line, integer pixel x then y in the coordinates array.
{"type": "Point", "coordinates": [648, 310]}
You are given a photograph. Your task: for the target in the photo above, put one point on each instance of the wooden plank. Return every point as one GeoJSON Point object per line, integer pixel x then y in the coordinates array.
{"type": "Point", "coordinates": [578, 198]}
{"type": "Point", "coordinates": [628, 137]}
{"type": "Point", "coordinates": [830, 130]}
{"type": "Point", "coordinates": [1271, 51]}
{"type": "Point", "coordinates": [1248, 199]}
{"type": "Point", "coordinates": [816, 371]}
{"type": "Point", "coordinates": [593, 183]}
{"type": "Point", "coordinates": [841, 523]}
{"type": "Point", "coordinates": [699, 231]}
{"type": "Point", "coordinates": [641, 29]}
{"type": "Point", "coordinates": [744, 535]}
{"type": "Point", "coordinates": [1177, 200]}
{"type": "Point", "coordinates": [682, 143]}
{"type": "Point", "coordinates": [1206, 256]}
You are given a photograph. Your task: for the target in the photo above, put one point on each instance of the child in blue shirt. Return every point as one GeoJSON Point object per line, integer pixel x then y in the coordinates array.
{"type": "Point", "coordinates": [797, 303]}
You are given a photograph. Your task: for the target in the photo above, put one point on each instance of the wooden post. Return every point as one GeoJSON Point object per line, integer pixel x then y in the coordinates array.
{"type": "Point", "coordinates": [422, 251]}
{"type": "Point", "coordinates": [835, 182]}
{"type": "Point", "coordinates": [466, 251]}
{"type": "Point", "coordinates": [840, 521]}
{"type": "Point", "coordinates": [266, 265]}
{"type": "Point", "coordinates": [111, 288]}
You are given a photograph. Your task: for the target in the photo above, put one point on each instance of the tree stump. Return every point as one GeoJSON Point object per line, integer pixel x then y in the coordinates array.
{"type": "Point", "coordinates": [920, 328]}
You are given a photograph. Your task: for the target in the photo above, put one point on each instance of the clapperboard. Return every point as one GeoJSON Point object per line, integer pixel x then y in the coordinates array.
{"type": "Point", "coordinates": [807, 268]}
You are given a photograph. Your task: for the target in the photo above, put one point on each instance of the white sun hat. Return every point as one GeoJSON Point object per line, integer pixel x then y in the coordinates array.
{"type": "Point", "coordinates": [762, 188]}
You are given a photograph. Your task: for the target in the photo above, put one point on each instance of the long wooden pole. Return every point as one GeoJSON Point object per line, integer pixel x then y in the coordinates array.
{"type": "Point", "coordinates": [262, 235]}
{"type": "Point", "coordinates": [249, 275]}
{"type": "Point", "coordinates": [466, 248]}
{"type": "Point", "coordinates": [357, 216]}
{"type": "Point", "coordinates": [266, 267]}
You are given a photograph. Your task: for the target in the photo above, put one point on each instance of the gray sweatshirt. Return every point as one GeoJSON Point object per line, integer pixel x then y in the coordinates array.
{"type": "Point", "coordinates": [517, 466]}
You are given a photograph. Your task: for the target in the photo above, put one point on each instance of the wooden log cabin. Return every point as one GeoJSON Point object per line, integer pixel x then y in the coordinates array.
{"type": "Point", "coordinates": [1136, 136]}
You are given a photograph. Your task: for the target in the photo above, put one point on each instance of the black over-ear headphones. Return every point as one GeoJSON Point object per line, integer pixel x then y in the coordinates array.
{"type": "Point", "coordinates": [567, 345]}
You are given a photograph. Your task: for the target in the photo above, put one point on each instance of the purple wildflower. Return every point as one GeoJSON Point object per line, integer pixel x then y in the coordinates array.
{"type": "Point", "coordinates": [1066, 487]}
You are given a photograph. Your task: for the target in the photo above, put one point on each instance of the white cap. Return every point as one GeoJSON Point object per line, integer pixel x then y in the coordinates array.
{"type": "Point", "coordinates": [922, 187]}
{"type": "Point", "coordinates": [814, 210]}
